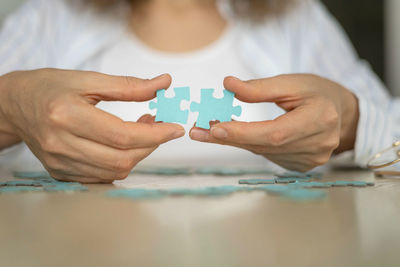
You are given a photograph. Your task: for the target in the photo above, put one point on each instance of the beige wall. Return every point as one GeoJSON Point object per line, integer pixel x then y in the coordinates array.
{"type": "Point", "coordinates": [392, 51]}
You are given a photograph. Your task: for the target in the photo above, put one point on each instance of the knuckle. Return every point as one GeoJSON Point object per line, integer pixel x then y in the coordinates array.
{"type": "Point", "coordinates": [331, 116]}
{"type": "Point", "coordinates": [121, 175]}
{"type": "Point", "coordinates": [58, 112]}
{"type": "Point", "coordinates": [55, 175]}
{"type": "Point", "coordinates": [277, 138]}
{"type": "Point", "coordinates": [50, 145]}
{"type": "Point", "coordinates": [123, 165]}
{"type": "Point", "coordinates": [331, 144]}
{"type": "Point", "coordinates": [130, 82]}
{"type": "Point", "coordinates": [320, 160]}
{"type": "Point", "coordinates": [120, 139]}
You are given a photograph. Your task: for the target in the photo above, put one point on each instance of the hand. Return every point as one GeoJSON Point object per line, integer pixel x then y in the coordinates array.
{"type": "Point", "coordinates": [321, 119]}
{"type": "Point", "coordinates": [53, 112]}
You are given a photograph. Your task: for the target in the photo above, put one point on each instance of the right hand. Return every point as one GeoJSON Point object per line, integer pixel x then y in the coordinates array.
{"type": "Point", "coordinates": [53, 112]}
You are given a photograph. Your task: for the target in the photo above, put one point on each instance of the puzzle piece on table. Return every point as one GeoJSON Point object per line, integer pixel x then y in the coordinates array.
{"type": "Point", "coordinates": [362, 184]}
{"type": "Point", "coordinates": [352, 183]}
{"type": "Point", "coordinates": [211, 108]}
{"type": "Point", "coordinates": [312, 184]}
{"type": "Point", "coordinates": [257, 181]}
{"type": "Point", "coordinates": [223, 171]}
{"type": "Point", "coordinates": [17, 189]}
{"type": "Point", "coordinates": [289, 180]}
{"type": "Point", "coordinates": [38, 181]}
{"type": "Point", "coordinates": [31, 174]}
{"type": "Point", "coordinates": [64, 187]}
{"type": "Point", "coordinates": [169, 109]}
{"type": "Point", "coordinates": [163, 171]}
{"type": "Point", "coordinates": [300, 175]}
{"type": "Point", "coordinates": [20, 183]}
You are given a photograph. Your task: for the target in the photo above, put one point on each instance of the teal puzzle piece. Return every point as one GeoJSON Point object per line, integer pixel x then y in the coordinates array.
{"type": "Point", "coordinates": [32, 174]}
{"type": "Point", "coordinates": [17, 189]}
{"type": "Point", "coordinates": [257, 181]}
{"type": "Point", "coordinates": [211, 108]}
{"type": "Point", "coordinates": [38, 181]}
{"type": "Point", "coordinates": [221, 171]}
{"type": "Point", "coordinates": [169, 109]}
{"type": "Point", "coordinates": [163, 171]}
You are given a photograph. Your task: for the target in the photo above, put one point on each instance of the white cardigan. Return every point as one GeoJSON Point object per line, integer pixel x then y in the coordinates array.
{"type": "Point", "coordinates": [51, 33]}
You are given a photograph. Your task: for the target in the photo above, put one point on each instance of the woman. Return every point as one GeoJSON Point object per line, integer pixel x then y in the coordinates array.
{"type": "Point", "coordinates": [253, 48]}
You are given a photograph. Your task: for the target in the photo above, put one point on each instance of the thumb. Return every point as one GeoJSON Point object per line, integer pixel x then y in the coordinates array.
{"type": "Point", "coordinates": [124, 88]}
{"type": "Point", "coordinates": [275, 89]}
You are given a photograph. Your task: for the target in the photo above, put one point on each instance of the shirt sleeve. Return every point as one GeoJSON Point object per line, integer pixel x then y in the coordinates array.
{"type": "Point", "coordinates": [321, 47]}
{"type": "Point", "coordinates": [27, 37]}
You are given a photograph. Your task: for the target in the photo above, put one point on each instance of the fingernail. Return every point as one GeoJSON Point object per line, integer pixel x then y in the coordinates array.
{"type": "Point", "coordinates": [178, 134]}
{"type": "Point", "coordinates": [199, 135]}
{"type": "Point", "coordinates": [219, 133]}
{"type": "Point", "coordinates": [159, 76]}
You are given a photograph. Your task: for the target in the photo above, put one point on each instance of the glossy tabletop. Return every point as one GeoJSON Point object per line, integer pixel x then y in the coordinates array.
{"type": "Point", "coordinates": [351, 227]}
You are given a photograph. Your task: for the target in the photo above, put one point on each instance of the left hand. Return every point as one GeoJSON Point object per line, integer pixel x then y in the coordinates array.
{"type": "Point", "coordinates": [321, 118]}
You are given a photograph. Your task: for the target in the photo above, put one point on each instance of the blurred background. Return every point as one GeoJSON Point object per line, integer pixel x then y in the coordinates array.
{"type": "Point", "coordinates": [371, 25]}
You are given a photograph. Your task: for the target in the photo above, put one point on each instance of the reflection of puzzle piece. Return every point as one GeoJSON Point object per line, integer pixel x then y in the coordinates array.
{"type": "Point", "coordinates": [169, 109]}
{"type": "Point", "coordinates": [211, 108]}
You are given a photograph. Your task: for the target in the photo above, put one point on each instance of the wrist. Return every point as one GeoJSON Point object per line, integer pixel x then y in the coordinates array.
{"type": "Point", "coordinates": [8, 135]}
{"type": "Point", "coordinates": [349, 121]}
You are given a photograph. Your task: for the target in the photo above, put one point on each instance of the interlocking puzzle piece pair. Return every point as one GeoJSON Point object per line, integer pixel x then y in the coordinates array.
{"type": "Point", "coordinates": [209, 108]}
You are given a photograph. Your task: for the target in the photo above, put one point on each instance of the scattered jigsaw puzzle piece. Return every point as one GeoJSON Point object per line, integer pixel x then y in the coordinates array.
{"type": "Point", "coordinates": [17, 189]}
{"type": "Point", "coordinates": [312, 184]}
{"type": "Point", "coordinates": [163, 171]}
{"type": "Point", "coordinates": [257, 181]}
{"type": "Point", "coordinates": [31, 174]}
{"type": "Point", "coordinates": [300, 175]}
{"type": "Point", "coordinates": [64, 187]}
{"type": "Point", "coordinates": [288, 180]}
{"type": "Point", "coordinates": [223, 171]}
{"type": "Point", "coordinates": [169, 109]}
{"type": "Point", "coordinates": [211, 108]}
{"type": "Point", "coordinates": [38, 181]}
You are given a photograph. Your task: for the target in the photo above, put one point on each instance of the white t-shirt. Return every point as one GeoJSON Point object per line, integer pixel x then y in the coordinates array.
{"type": "Point", "coordinates": [204, 68]}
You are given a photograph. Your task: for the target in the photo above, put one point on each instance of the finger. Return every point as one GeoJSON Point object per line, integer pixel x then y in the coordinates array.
{"type": "Point", "coordinates": [99, 86]}
{"type": "Point", "coordinates": [275, 133]}
{"type": "Point", "coordinates": [97, 125]}
{"type": "Point", "coordinates": [275, 89]}
{"type": "Point", "coordinates": [147, 118]}
{"type": "Point", "coordinates": [70, 167]}
{"type": "Point", "coordinates": [101, 156]}
{"type": "Point", "coordinates": [73, 178]}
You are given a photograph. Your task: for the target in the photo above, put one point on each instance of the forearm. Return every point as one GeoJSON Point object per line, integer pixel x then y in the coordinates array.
{"type": "Point", "coordinates": [8, 136]}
